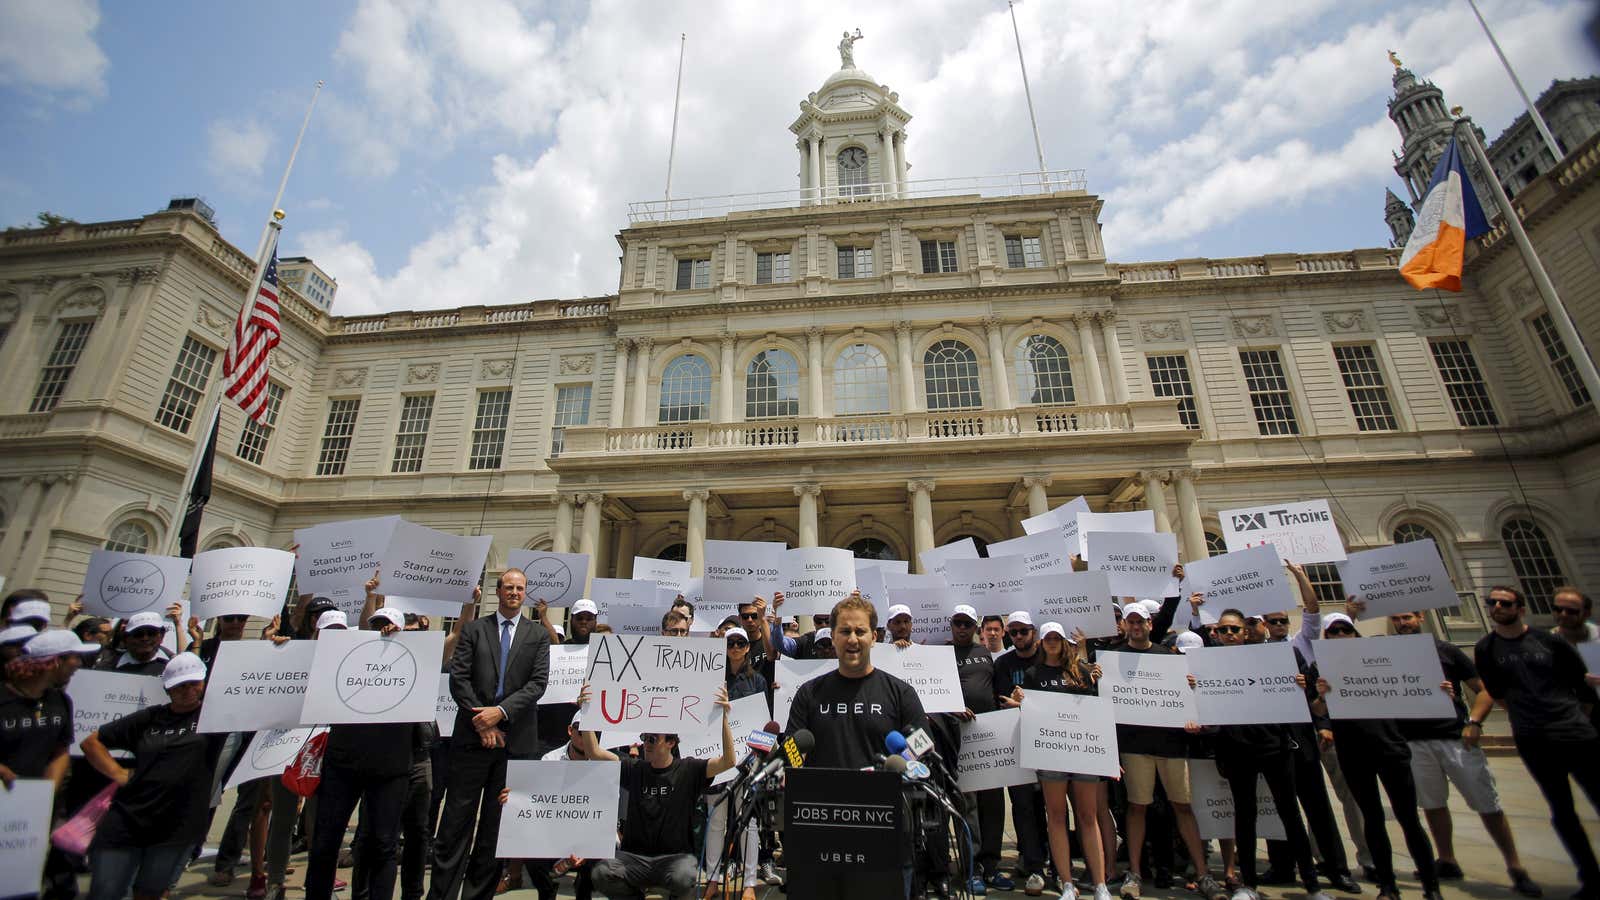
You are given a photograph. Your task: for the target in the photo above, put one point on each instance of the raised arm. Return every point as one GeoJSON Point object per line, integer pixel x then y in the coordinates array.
{"type": "Point", "coordinates": [726, 761]}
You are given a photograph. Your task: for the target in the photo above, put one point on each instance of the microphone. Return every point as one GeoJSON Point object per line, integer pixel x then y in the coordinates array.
{"type": "Point", "coordinates": [795, 747]}
{"type": "Point", "coordinates": [896, 744]}
{"type": "Point", "coordinates": [920, 743]}
{"type": "Point", "coordinates": [762, 740]}
{"type": "Point", "coordinates": [894, 764]}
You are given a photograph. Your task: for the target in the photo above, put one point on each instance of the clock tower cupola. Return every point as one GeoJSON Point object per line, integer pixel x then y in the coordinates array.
{"type": "Point", "coordinates": [851, 136]}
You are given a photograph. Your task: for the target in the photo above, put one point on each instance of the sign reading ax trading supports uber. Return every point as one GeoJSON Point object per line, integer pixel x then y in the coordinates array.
{"type": "Point", "coordinates": [651, 684]}
{"type": "Point", "coordinates": [367, 677]}
{"type": "Point", "coordinates": [1302, 532]}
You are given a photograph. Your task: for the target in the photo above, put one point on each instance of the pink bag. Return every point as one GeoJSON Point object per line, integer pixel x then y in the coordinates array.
{"type": "Point", "coordinates": [77, 833]}
{"type": "Point", "coordinates": [303, 775]}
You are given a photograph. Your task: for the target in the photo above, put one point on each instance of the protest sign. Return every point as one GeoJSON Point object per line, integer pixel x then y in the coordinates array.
{"type": "Point", "coordinates": [1136, 564]}
{"type": "Point", "coordinates": [1069, 733]}
{"type": "Point", "coordinates": [439, 608]}
{"type": "Point", "coordinates": [1063, 519]}
{"type": "Point", "coordinates": [737, 571]}
{"type": "Point", "coordinates": [707, 616]}
{"type": "Point", "coordinates": [101, 697]}
{"type": "Point", "coordinates": [269, 753]}
{"type": "Point", "coordinates": [25, 835]}
{"type": "Point", "coordinates": [933, 561]}
{"type": "Point", "coordinates": [446, 707]}
{"type": "Point", "coordinates": [558, 579]}
{"type": "Point", "coordinates": [870, 575]}
{"type": "Point", "coordinates": [788, 675]}
{"type": "Point", "coordinates": [1141, 521]}
{"type": "Point", "coordinates": [637, 618]}
{"type": "Point", "coordinates": [654, 684]}
{"type": "Point", "coordinates": [427, 564]}
{"type": "Point", "coordinates": [562, 807]}
{"type": "Point", "coordinates": [815, 578]}
{"type": "Point", "coordinates": [1147, 688]}
{"type": "Point", "coordinates": [991, 586]}
{"type": "Point", "coordinates": [568, 664]}
{"type": "Point", "coordinates": [1590, 651]}
{"type": "Point", "coordinates": [929, 669]}
{"type": "Point", "coordinates": [668, 573]}
{"type": "Point", "coordinates": [1213, 804]}
{"type": "Point", "coordinates": [931, 604]}
{"type": "Point", "coordinates": [256, 684]}
{"type": "Point", "coordinates": [1393, 677]}
{"type": "Point", "coordinates": [1302, 532]}
{"type": "Point", "coordinates": [336, 559]}
{"type": "Point", "coordinates": [749, 714]}
{"type": "Point", "coordinates": [1251, 581]}
{"type": "Point", "coordinates": [989, 755]}
{"type": "Point", "coordinates": [364, 677]}
{"type": "Point", "coordinates": [1043, 553]}
{"type": "Point", "coordinates": [1398, 578]}
{"type": "Point", "coordinates": [251, 581]}
{"type": "Point", "coordinates": [118, 584]}
{"type": "Point", "coordinates": [1075, 599]}
{"type": "Point", "coordinates": [1247, 685]}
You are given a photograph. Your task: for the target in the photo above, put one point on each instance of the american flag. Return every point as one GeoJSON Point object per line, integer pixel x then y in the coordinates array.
{"type": "Point", "coordinates": [254, 335]}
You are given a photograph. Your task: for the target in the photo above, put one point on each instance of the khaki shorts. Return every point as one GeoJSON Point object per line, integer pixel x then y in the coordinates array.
{"type": "Point", "coordinates": [1437, 764]}
{"type": "Point", "coordinates": [1139, 772]}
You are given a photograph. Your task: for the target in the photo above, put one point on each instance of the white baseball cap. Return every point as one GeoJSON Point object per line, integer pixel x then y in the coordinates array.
{"type": "Point", "coordinates": [388, 614]}
{"type": "Point", "coordinates": [1332, 619]}
{"type": "Point", "coordinates": [182, 669]}
{"type": "Point", "coordinates": [56, 643]}
{"type": "Point", "coordinates": [899, 609]}
{"type": "Point", "coordinates": [17, 634]}
{"type": "Point", "coordinates": [333, 618]}
{"type": "Point", "coordinates": [736, 631]}
{"type": "Point", "coordinates": [27, 610]}
{"type": "Point", "coordinates": [585, 606]}
{"type": "Point", "coordinates": [1022, 617]}
{"type": "Point", "coordinates": [963, 609]}
{"type": "Point", "coordinates": [1187, 640]}
{"type": "Point", "coordinates": [145, 619]}
{"type": "Point", "coordinates": [1151, 607]}
{"type": "Point", "coordinates": [1135, 609]}
{"type": "Point", "coordinates": [1050, 628]}
{"type": "Point", "coordinates": [823, 634]}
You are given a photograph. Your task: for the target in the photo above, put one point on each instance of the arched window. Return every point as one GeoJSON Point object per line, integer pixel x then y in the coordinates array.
{"type": "Point", "coordinates": [871, 548]}
{"type": "Point", "coordinates": [675, 552]}
{"type": "Point", "coordinates": [1407, 532]}
{"type": "Point", "coordinates": [950, 374]}
{"type": "Point", "coordinates": [225, 542]}
{"type": "Point", "coordinates": [130, 537]}
{"type": "Point", "coordinates": [1044, 375]}
{"type": "Point", "coordinates": [686, 390]}
{"type": "Point", "coordinates": [1534, 560]}
{"type": "Point", "coordinates": [1215, 545]}
{"type": "Point", "coordinates": [772, 386]}
{"type": "Point", "coordinates": [860, 381]}
{"type": "Point", "coordinates": [852, 172]}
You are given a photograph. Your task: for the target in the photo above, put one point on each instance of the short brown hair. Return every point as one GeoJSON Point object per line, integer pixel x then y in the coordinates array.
{"type": "Point", "coordinates": [1507, 589]}
{"type": "Point", "coordinates": [672, 618]}
{"type": "Point", "coordinates": [858, 604]}
{"type": "Point", "coordinates": [1585, 599]}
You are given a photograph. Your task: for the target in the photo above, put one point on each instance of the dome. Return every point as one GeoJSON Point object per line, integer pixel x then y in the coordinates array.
{"type": "Point", "coordinates": [851, 88]}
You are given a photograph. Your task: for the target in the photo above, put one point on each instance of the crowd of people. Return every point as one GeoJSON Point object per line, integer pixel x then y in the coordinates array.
{"type": "Point", "coordinates": [423, 801]}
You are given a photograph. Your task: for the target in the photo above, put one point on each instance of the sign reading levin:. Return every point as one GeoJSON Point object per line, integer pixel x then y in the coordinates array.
{"type": "Point", "coordinates": [815, 578]}
{"type": "Point", "coordinates": [337, 558]}
{"type": "Point", "coordinates": [1394, 677]}
{"type": "Point", "coordinates": [654, 684]}
{"type": "Point", "coordinates": [432, 565]}
{"type": "Point", "coordinates": [1069, 733]}
{"type": "Point", "coordinates": [929, 669]}
{"type": "Point", "coordinates": [240, 580]}
{"type": "Point", "coordinates": [1302, 532]}
{"type": "Point", "coordinates": [1398, 578]}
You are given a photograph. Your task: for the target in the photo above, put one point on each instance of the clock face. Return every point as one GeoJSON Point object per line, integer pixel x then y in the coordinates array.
{"type": "Point", "coordinates": [853, 158]}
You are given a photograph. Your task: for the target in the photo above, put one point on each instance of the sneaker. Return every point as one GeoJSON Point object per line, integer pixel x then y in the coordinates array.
{"type": "Point", "coordinates": [274, 892]}
{"type": "Point", "coordinates": [1522, 884]}
{"type": "Point", "coordinates": [221, 878]}
{"type": "Point", "coordinates": [1448, 870]}
{"type": "Point", "coordinates": [1130, 886]}
{"type": "Point", "coordinates": [1034, 886]}
{"type": "Point", "coordinates": [977, 887]}
{"type": "Point", "coordinates": [258, 887]}
{"type": "Point", "coordinates": [1101, 892]}
{"type": "Point", "coordinates": [1000, 882]}
{"type": "Point", "coordinates": [1071, 893]}
{"type": "Point", "coordinates": [340, 884]}
{"type": "Point", "coordinates": [1244, 893]}
{"type": "Point", "coordinates": [769, 875]}
{"type": "Point", "coordinates": [1207, 887]}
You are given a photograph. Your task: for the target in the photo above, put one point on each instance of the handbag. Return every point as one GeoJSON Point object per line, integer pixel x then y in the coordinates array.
{"type": "Point", "coordinates": [303, 775]}
{"type": "Point", "coordinates": [77, 833]}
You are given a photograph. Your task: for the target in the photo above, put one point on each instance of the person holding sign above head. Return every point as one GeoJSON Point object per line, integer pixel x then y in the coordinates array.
{"type": "Point", "coordinates": [1027, 809]}
{"type": "Point", "coordinates": [899, 625]}
{"type": "Point", "coordinates": [1370, 751]}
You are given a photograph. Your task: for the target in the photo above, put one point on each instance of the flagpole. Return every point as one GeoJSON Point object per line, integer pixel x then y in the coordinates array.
{"type": "Point", "coordinates": [1576, 350]}
{"type": "Point", "coordinates": [672, 145]}
{"type": "Point", "coordinates": [1038, 146]}
{"type": "Point", "coordinates": [1533, 113]}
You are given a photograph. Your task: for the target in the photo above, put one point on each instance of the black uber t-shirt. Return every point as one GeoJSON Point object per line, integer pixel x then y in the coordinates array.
{"type": "Point", "coordinates": [661, 805]}
{"type": "Point", "coordinates": [33, 732]}
{"type": "Point", "coordinates": [849, 717]}
{"type": "Point", "coordinates": [167, 799]}
{"type": "Point", "coordinates": [1540, 678]}
{"type": "Point", "coordinates": [975, 668]}
{"type": "Point", "coordinates": [1459, 670]}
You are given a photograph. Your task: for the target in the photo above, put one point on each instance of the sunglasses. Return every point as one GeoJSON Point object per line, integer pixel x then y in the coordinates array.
{"type": "Point", "coordinates": [1340, 629]}
{"type": "Point", "coordinates": [1019, 632]}
{"type": "Point", "coordinates": [1284, 620]}
{"type": "Point", "coordinates": [1569, 610]}
{"type": "Point", "coordinates": [737, 644]}
{"type": "Point", "coordinates": [651, 738]}
{"type": "Point", "coordinates": [1228, 629]}
{"type": "Point", "coordinates": [1508, 603]}
{"type": "Point", "coordinates": [233, 619]}
{"type": "Point", "coordinates": [749, 615]}
{"type": "Point", "coordinates": [963, 623]}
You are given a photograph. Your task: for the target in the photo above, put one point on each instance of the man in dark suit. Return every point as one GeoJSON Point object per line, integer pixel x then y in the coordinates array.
{"type": "Point", "coordinates": [497, 675]}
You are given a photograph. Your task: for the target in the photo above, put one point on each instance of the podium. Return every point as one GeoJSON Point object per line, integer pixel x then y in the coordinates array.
{"type": "Point", "coordinates": [843, 834]}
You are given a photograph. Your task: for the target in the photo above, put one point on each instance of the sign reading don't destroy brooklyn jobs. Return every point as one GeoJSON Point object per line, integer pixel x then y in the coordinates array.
{"type": "Point", "coordinates": [367, 677]}
{"type": "Point", "coordinates": [651, 684]}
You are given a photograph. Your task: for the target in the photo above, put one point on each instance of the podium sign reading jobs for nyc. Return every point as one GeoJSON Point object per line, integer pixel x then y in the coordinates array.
{"type": "Point", "coordinates": [842, 834]}
{"type": "Point", "coordinates": [1398, 578]}
{"type": "Point", "coordinates": [651, 684]}
{"type": "Point", "coordinates": [1394, 677]}
{"type": "Point", "coordinates": [255, 685]}
{"type": "Point", "coordinates": [1069, 733]}
{"type": "Point", "coordinates": [367, 677]}
{"type": "Point", "coordinates": [432, 565]}
{"type": "Point", "coordinates": [561, 807]}
{"type": "Point", "coordinates": [118, 584]}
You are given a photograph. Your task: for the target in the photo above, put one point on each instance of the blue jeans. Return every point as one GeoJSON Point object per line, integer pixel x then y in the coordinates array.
{"type": "Point", "coordinates": [149, 870]}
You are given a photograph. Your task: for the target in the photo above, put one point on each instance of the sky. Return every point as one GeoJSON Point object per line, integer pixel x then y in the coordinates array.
{"type": "Point", "coordinates": [485, 151]}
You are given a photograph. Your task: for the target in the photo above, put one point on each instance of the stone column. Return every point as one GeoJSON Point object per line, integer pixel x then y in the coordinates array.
{"type": "Point", "coordinates": [589, 540]}
{"type": "Point", "coordinates": [57, 488]}
{"type": "Point", "coordinates": [900, 161]}
{"type": "Point", "coordinates": [627, 531]}
{"type": "Point", "coordinates": [697, 529]}
{"type": "Point", "coordinates": [726, 381]}
{"type": "Point", "coordinates": [814, 373]}
{"type": "Point", "coordinates": [21, 519]}
{"type": "Point", "coordinates": [128, 313]}
{"type": "Point", "coordinates": [1038, 500]}
{"type": "Point", "coordinates": [1193, 531]}
{"type": "Point", "coordinates": [815, 161]}
{"type": "Point", "coordinates": [641, 382]}
{"type": "Point", "coordinates": [802, 147]}
{"type": "Point", "coordinates": [997, 363]}
{"type": "Point", "coordinates": [619, 384]}
{"type": "Point", "coordinates": [892, 164]}
{"type": "Point", "coordinates": [921, 517]}
{"type": "Point", "coordinates": [561, 541]}
{"type": "Point", "coordinates": [807, 525]}
{"type": "Point", "coordinates": [1091, 359]}
{"type": "Point", "coordinates": [908, 371]}
{"type": "Point", "coordinates": [1155, 499]}
{"type": "Point", "coordinates": [1115, 379]}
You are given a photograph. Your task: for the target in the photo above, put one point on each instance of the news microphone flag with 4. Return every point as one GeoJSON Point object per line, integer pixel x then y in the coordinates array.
{"type": "Point", "coordinates": [254, 335]}
{"type": "Point", "coordinates": [1450, 216]}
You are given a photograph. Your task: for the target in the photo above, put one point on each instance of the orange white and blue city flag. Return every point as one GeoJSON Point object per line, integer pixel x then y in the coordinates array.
{"type": "Point", "coordinates": [1450, 216]}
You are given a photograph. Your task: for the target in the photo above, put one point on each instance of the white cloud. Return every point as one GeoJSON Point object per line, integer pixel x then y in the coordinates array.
{"type": "Point", "coordinates": [237, 148]}
{"type": "Point", "coordinates": [49, 45]}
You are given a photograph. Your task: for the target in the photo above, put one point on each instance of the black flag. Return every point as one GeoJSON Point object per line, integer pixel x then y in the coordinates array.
{"type": "Point", "coordinates": [199, 496]}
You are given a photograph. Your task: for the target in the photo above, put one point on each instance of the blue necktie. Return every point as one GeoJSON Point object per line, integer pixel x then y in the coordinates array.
{"type": "Point", "coordinates": [505, 651]}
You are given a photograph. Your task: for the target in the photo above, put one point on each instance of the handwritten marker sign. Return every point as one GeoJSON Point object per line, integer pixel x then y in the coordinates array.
{"type": "Point", "coordinates": [568, 664]}
{"type": "Point", "coordinates": [25, 835]}
{"type": "Point", "coordinates": [1043, 553]}
{"type": "Point", "coordinates": [1251, 581]}
{"type": "Point", "coordinates": [1394, 677]}
{"type": "Point", "coordinates": [668, 573]}
{"type": "Point", "coordinates": [1249, 685]}
{"type": "Point", "coordinates": [739, 570]}
{"type": "Point", "coordinates": [1147, 688]}
{"type": "Point", "coordinates": [1139, 520]}
{"type": "Point", "coordinates": [337, 558]}
{"type": "Point", "coordinates": [1302, 532]}
{"type": "Point", "coordinates": [1075, 599]}
{"type": "Point", "coordinates": [749, 714]}
{"type": "Point", "coordinates": [118, 584]}
{"type": "Point", "coordinates": [269, 753]}
{"type": "Point", "coordinates": [929, 669]}
{"type": "Point", "coordinates": [446, 707]}
{"type": "Point", "coordinates": [989, 754]}
{"type": "Point", "coordinates": [933, 561]}
{"type": "Point", "coordinates": [993, 586]}
{"type": "Point", "coordinates": [1069, 733]}
{"type": "Point", "coordinates": [364, 677]}
{"type": "Point", "coordinates": [815, 578]}
{"type": "Point", "coordinates": [256, 684]}
{"type": "Point", "coordinates": [654, 684]}
{"type": "Point", "coordinates": [433, 565]}
{"type": "Point", "coordinates": [1063, 519]}
{"type": "Point", "coordinates": [252, 581]}
{"type": "Point", "coordinates": [101, 697]}
{"type": "Point", "coordinates": [1213, 804]}
{"type": "Point", "coordinates": [563, 807]}
{"type": "Point", "coordinates": [558, 579]}
{"type": "Point", "coordinates": [1136, 564]}
{"type": "Point", "coordinates": [1398, 578]}
{"type": "Point", "coordinates": [870, 575]}
{"type": "Point", "coordinates": [789, 674]}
